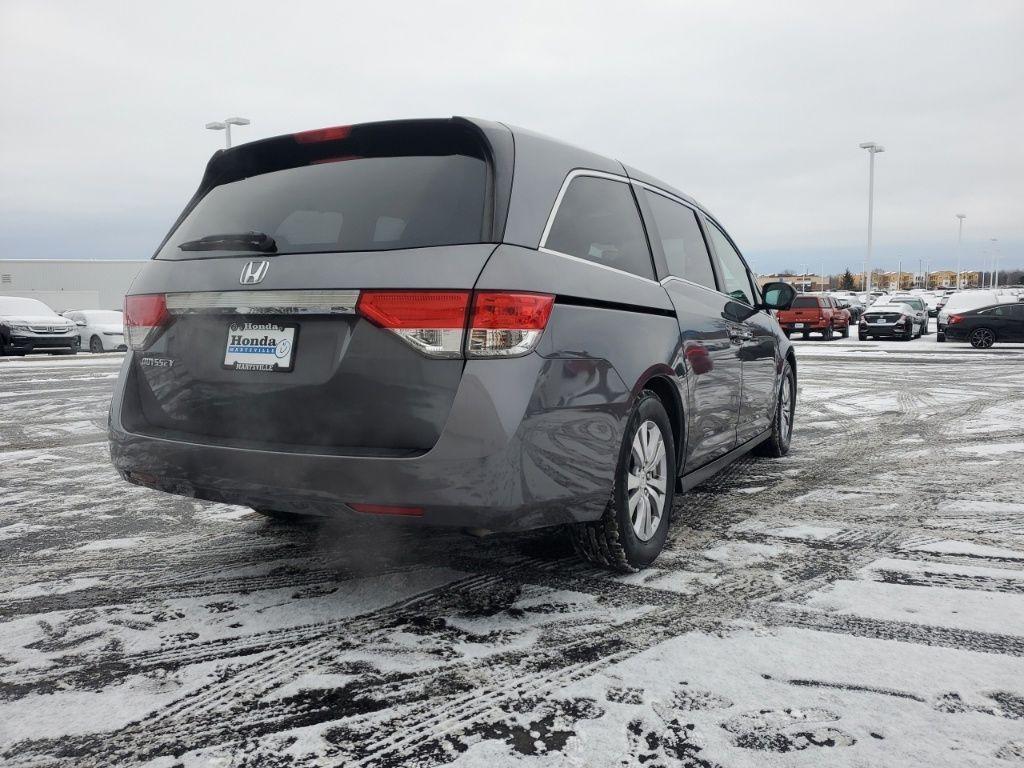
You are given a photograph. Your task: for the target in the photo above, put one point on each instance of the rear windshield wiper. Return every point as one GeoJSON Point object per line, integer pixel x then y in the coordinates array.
{"type": "Point", "coordinates": [247, 241]}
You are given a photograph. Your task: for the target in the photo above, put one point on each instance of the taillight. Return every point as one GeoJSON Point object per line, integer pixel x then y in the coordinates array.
{"type": "Point", "coordinates": [145, 317]}
{"type": "Point", "coordinates": [500, 323]}
{"type": "Point", "coordinates": [323, 134]}
{"type": "Point", "coordinates": [433, 322]}
{"type": "Point", "coordinates": [505, 324]}
{"type": "Point", "coordinates": [953, 319]}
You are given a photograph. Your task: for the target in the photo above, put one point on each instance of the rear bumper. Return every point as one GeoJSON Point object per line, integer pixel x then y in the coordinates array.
{"type": "Point", "coordinates": [529, 442]}
{"type": "Point", "coordinates": [816, 325]}
{"type": "Point", "coordinates": [883, 330]}
{"type": "Point", "coordinates": [956, 333]}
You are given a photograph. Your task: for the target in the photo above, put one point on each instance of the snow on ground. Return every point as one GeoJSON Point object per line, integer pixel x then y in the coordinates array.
{"type": "Point", "coordinates": [858, 603]}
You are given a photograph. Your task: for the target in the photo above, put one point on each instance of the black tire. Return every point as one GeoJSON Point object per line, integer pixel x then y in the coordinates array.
{"type": "Point", "coordinates": [846, 331]}
{"type": "Point", "coordinates": [909, 335]}
{"type": "Point", "coordinates": [828, 334]}
{"type": "Point", "coordinates": [95, 345]}
{"type": "Point", "coordinates": [777, 444]}
{"type": "Point", "coordinates": [806, 335]}
{"type": "Point", "coordinates": [611, 541]}
{"type": "Point", "coordinates": [982, 338]}
{"type": "Point", "coordinates": [940, 336]}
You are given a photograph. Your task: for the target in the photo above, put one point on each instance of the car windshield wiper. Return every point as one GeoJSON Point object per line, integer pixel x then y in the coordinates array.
{"type": "Point", "coordinates": [247, 241]}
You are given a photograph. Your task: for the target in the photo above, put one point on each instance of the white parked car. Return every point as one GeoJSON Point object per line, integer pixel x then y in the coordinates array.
{"type": "Point", "coordinates": [100, 330]}
{"type": "Point", "coordinates": [28, 325]}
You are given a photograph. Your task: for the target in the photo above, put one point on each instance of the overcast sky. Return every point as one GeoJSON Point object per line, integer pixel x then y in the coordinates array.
{"type": "Point", "coordinates": [754, 108]}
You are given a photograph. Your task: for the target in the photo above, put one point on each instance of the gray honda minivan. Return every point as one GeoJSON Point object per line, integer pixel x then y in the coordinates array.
{"type": "Point", "coordinates": [453, 321]}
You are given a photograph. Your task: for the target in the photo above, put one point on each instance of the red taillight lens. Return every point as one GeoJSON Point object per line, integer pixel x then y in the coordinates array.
{"type": "Point", "coordinates": [953, 319]}
{"type": "Point", "coordinates": [323, 134]}
{"type": "Point", "coordinates": [414, 309]}
{"type": "Point", "coordinates": [507, 324]}
{"type": "Point", "coordinates": [500, 310]}
{"type": "Point", "coordinates": [145, 317]}
{"type": "Point", "coordinates": [501, 323]}
{"type": "Point", "coordinates": [431, 321]}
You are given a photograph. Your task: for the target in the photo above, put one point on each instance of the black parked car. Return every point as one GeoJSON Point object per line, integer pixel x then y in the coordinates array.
{"type": "Point", "coordinates": [985, 326]}
{"type": "Point", "coordinates": [451, 321]}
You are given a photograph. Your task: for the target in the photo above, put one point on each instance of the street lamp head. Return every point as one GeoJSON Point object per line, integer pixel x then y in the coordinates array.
{"type": "Point", "coordinates": [216, 126]}
{"type": "Point", "coordinates": [872, 147]}
{"type": "Point", "coordinates": [961, 216]}
{"type": "Point", "coordinates": [237, 121]}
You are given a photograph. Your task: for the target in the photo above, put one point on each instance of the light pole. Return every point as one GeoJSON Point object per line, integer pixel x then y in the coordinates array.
{"type": "Point", "coordinates": [226, 127]}
{"type": "Point", "coordinates": [873, 149]}
{"type": "Point", "coordinates": [959, 248]}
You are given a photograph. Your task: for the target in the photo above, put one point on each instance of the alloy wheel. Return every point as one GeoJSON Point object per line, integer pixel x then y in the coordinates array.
{"type": "Point", "coordinates": [786, 408]}
{"type": "Point", "coordinates": [646, 480]}
{"type": "Point", "coordinates": [982, 338]}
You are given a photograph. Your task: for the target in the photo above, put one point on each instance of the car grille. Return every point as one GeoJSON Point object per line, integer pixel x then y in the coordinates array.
{"type": "Point", "coordinates": [886, 318]}
{"type": "Point", "coordinates": [48, 329]}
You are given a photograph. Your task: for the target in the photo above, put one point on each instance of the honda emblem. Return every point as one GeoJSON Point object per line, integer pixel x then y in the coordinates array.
{"type": "Point", "coordinates": [254, 272]}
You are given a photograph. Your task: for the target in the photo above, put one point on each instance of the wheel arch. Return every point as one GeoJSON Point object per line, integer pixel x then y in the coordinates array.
{"type": "Point", "coordinates": [662, 384]}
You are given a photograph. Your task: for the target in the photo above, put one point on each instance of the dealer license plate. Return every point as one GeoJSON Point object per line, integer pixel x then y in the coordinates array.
{"type": "Point", "coordinates": [260, 347]}
{"type": "Point", "coordinates": [798, 325]}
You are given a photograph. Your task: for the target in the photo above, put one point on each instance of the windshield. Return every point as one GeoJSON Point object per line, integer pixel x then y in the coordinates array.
{"type": "Point", "coordinates": [344, 204]}
{"type": "Point", "coordinates": [15, 305]}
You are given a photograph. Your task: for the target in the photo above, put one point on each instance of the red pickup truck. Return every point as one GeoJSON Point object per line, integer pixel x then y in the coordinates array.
{"type": "Point", "coordinates": [815, 313]}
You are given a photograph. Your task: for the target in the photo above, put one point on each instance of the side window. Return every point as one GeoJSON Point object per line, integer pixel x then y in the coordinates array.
{"type": "Point", "coordinates": [598, 221]}
{"type": "Point", "coordinates": [730, 264]}
{"type": "Point", "coordinates": [685, 251]}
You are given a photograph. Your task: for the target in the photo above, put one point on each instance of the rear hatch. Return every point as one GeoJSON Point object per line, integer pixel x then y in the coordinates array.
{"type": "Point", "coordinates": [883, 315]}
{"type": "Point", "coordinates": [245, 327]}
{"type": "Point", "coordinates": [804, 309]}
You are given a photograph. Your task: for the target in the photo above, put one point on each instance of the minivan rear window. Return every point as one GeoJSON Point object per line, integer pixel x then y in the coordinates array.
{"type": "Point", "coordinates": [805, 302]}
{"type": "Point", "coordinates": [349, 198]}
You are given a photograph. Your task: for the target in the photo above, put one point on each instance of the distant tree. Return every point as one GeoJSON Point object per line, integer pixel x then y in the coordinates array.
{"type": "Point", "coordinates": [846, 281]}
{"type": "Point", "coordinates": [786, 273]}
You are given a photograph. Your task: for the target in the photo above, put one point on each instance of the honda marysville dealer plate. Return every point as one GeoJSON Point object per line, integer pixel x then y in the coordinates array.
{"type": "Point", "coordinates": [260, 347]}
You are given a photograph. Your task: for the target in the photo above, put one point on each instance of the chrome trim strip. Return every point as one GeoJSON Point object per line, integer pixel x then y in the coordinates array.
{"type": "Point", "coordinates": [590, 263]}
{"type": "Point", "coordinates": [321, 302]}
{"type": "Point", "coordinates": [670, 196]}
{"type": "Point", "coordinates": [715, 291]}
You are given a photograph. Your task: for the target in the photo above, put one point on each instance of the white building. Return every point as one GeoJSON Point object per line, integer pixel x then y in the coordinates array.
{"type": "Point", "coordinates": [64, 284]}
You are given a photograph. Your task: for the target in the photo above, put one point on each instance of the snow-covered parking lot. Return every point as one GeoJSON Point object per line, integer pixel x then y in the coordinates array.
{"type": "Point", "coordinates": [859, 603]}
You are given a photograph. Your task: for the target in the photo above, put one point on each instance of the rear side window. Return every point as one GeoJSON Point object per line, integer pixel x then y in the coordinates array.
{"type": "Point", "coordinates": [730, 264]}
{"type": "Point", "coordinates": [804, 302]}
{"type": "Point", "coordinates": [356, 194]}
{"type": "Point", "coordinates": [685, 250]}
{"type": "Point", "coordinates": [598, 221]}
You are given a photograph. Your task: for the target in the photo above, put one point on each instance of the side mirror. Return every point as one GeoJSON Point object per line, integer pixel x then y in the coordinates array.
{"type": "Point", "coordinates": [778, 295]}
